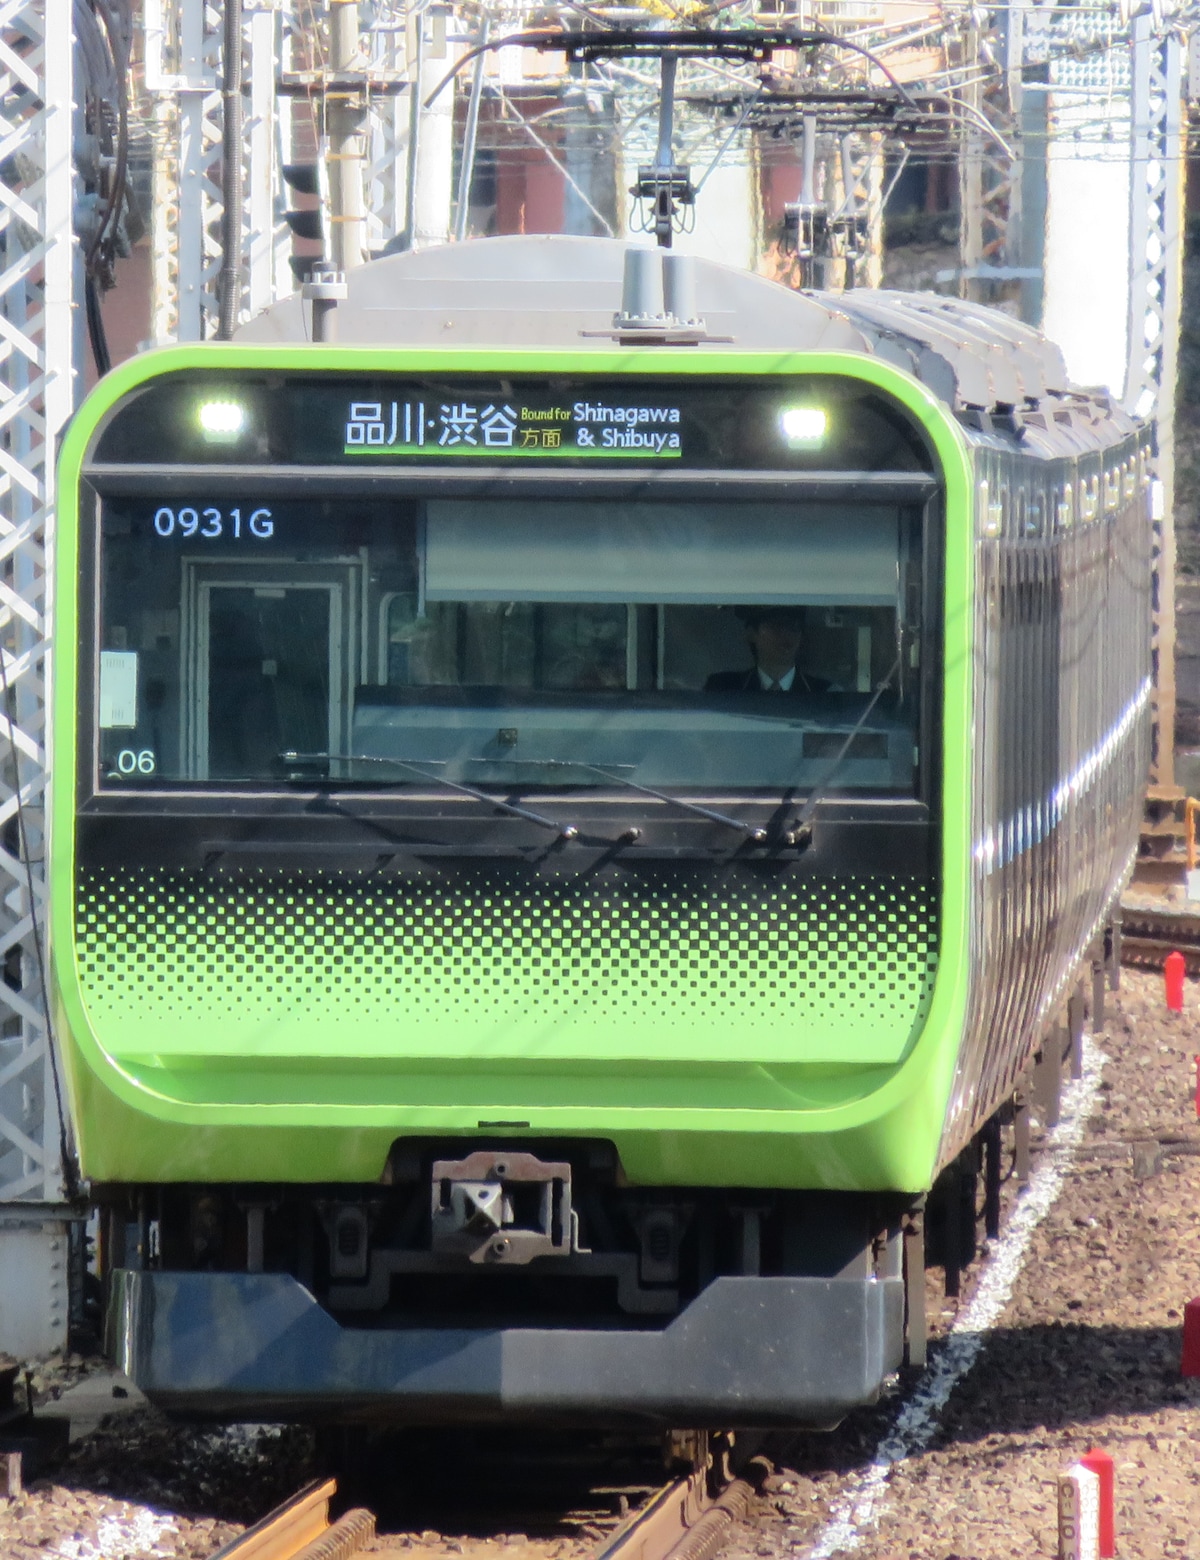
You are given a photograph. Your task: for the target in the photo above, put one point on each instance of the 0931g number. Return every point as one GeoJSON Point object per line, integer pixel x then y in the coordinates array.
{"type": "Point", "coordinates": [214, 523]}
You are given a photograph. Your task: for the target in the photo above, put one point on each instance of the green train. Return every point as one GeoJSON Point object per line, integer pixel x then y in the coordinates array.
{"type": "Point", "coordinates": [569, 813]}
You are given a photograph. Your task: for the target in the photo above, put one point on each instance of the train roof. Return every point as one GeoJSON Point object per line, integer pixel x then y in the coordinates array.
{"type": "Point", "coordinates": [556, 290]}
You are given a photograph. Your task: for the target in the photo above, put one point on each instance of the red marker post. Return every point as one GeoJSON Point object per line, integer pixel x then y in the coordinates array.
{"type": "Point", "coordinates": [1191, 1339]}
{"type": "Point", "coordinates": [1173, 972]}
{"type": "Point", "coordinates": [1101, 1465]}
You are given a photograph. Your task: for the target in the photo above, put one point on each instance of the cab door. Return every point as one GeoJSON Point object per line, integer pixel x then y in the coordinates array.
{"type": "Point", "coordinates": [271, 659]}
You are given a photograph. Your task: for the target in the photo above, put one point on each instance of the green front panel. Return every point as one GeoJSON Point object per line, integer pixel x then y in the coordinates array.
{"type": "Point", "coordinates": [271, 964]}
{"type": "Point", "coordinates": [292, 1027]}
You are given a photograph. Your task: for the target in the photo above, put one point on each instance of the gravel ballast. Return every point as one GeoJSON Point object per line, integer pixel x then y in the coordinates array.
{"type": "Point", "coordinates": [1087, 1352]}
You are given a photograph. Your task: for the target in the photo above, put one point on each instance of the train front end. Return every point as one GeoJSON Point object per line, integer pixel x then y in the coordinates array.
{"type": "Point", "coordinates": [494, 983]}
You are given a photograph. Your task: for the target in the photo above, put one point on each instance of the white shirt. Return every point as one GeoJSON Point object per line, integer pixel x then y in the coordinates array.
{"type": "Point", "coordinates": [784, 683]}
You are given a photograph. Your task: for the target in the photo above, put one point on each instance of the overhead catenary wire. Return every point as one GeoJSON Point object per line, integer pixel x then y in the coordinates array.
{"type": "Point", "coordinates": [897, 175]}
{"type": "Point", "coordinates": [546, 38]}
{"type": "Point", "coordinates": [866, 49]}
{"type": "Point", "coordinates": [94, 316]}
{"type": "Point", "coordinates": [562, 168]}
{"type": "Point", "coordinates": [119, 51]}
{"type": "Point", "coordinates": [728, 141]}
{"type": "Point", "coordinates": [470, 141]}
{"type": "Point", "coordinates": [966, 118]}
{"type": "Point", "coordinates": [105, 51]}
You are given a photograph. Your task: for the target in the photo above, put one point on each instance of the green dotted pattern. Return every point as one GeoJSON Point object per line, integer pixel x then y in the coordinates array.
{"type": "Point", "coordinates": [829, 970]}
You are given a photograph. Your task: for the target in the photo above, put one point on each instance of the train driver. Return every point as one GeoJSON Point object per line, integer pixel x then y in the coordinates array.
{"type": "Point", "coordinates": [775, 636]}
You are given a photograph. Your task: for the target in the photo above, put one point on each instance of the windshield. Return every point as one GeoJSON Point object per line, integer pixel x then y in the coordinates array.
{"type": "Point", "coordinates": [722, 645]}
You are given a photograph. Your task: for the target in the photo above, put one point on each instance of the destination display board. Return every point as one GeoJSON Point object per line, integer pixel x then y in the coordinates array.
{"type": "Point", "coordinates": [521, 426]}
{"type": "Point", "coordinates": [777, 423]}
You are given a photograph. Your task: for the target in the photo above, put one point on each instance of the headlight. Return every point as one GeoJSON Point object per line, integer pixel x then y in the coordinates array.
{"type": "Point", "coordinates": [221, 421]}
{"type": "Point", "coordinates": [804, 427]}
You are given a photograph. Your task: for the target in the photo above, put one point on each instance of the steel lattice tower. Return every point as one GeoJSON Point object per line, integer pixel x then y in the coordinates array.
{"type": "Point", "coordinates": [37, 287]}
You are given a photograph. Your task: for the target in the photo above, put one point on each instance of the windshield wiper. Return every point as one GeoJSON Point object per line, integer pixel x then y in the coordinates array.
{"type": "Point", "coordinates": [565, 831]}
{"type": "Point", "coordinates": [801, 827]}
{"type": "Point", "coordinates": [608, 773]}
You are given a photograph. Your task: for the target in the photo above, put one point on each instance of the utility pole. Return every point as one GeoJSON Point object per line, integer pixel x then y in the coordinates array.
{"type": "Point", "coordinates": [435, 168]}
{"type": "Point", "coordinates": [368, 97]}
{"type": "Point", "coordinates": [229, 279]}
{"type": "Point", "coordinates": [346, 112]}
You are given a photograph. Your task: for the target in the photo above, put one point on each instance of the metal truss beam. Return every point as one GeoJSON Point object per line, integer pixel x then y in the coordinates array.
{"type": "Point", "coordinates": [37, 392]}
{"type": "Point", "coordinates": [1000, 252]}
{"type": "Point", "coordinates": [183, 72]}
{"type": "Point", "coordinates": [1155, 295]}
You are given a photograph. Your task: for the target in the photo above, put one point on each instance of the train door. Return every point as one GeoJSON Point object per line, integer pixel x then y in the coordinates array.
{"type": "Point", "coordinates": [272, 654]}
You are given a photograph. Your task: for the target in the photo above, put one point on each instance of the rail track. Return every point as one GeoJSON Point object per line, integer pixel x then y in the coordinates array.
{"type": "Point", "coordinates": [300, 1529]}
{"type": "Point", "coordinates": [687, 1519]}
{"type": "Point", "coordinates": [1151, 930]}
